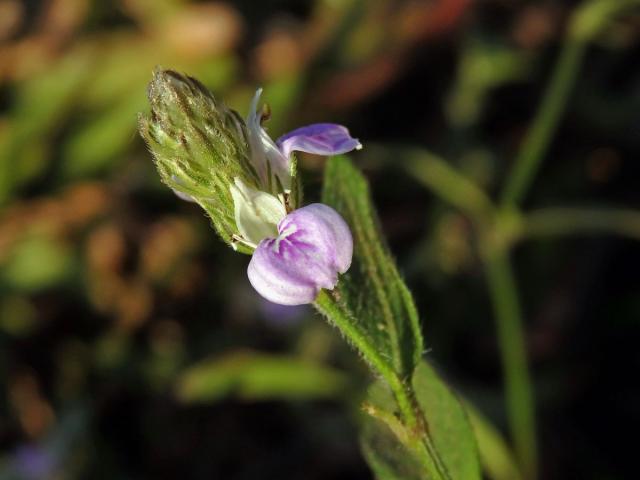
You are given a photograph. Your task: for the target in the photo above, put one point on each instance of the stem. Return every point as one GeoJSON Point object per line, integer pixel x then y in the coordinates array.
{"type": "Point", "coordinates": [519, 391]}
{"type": "Point", "coordinates": [574, 221]}
{"type": "Point", "coordinates": [410, 412]}
{"type": "Point", "coordinates": [537, 141]}
{"type": "Point", "coordinates": [449, 185]}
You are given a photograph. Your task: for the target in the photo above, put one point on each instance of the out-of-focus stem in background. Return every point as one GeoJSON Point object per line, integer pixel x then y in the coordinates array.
{"type": "Point", "coordinates": [517, 378]}
{"type": "Point", "coordinates": [536, 143]}
{"type": "Point", "coordinates": [585, 24]}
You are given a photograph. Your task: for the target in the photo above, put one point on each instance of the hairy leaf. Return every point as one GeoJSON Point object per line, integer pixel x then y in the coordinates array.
{"type": "Point", "coordinates": [372, 290]}
{"type": "Point", "coordinates": [448, 425]}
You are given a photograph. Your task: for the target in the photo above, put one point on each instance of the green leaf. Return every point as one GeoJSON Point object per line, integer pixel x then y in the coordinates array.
{"type": "Point", "coordinates": [448, 426]}
{"type": "Point", "coordinates": [448, 423]}
{"type": "Point", "coordinates": [384, 440]}
{"type": "Point", "coordinates": [387, 457]}
{"type": "Point", "coordinates": [372, 291]}
{"type": "Point", "coordinates": [255, 376]}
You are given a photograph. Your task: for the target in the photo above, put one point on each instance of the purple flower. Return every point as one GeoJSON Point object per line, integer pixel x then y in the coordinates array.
{"type": "Point", "coordinates": [299, 253]}
{"type": "Point", "coordinates": [258, 211]}
{"type": "Point", "coordinates": [319, 138]}
{"type": "Point", "coordinates": [313, 246]}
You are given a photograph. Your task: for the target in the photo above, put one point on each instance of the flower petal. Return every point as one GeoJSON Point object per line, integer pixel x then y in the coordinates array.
{"type": "Point", "coordinates": [263, 150]}
{"type": "Point", "coordinates": [314, 245]}
{"type": "Point", "coordinates": [272, 272]}
{"type": "Point", "coordinates": [256, 213]}
{"type": "Point", "coordinates": [319, 138]}
{"type": "Point", "coordinates": [320, 225]}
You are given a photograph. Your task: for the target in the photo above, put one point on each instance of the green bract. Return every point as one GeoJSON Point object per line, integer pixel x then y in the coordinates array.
{"type": "Point", "coordinates": [200, 146]}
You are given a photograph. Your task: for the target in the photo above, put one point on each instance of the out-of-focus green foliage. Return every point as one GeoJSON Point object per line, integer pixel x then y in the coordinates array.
{"type": "Point", "coordinates": [495, 455]}
{"type": "Point", "coordinates": [254, 376]}
{"type": "Point", "coordinates": [37, 263]}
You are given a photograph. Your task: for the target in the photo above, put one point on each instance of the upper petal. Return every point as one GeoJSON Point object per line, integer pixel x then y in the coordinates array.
{"type": "Point", "coordinates": [319, 138]}
{"type": "Point", "coordinates": [263, 150]}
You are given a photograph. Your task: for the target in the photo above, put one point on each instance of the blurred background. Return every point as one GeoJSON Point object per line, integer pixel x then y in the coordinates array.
{"type": "Point", "coordinates": [131, 343]}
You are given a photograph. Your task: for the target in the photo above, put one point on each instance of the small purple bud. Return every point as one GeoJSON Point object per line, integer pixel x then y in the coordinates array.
{"type": "Point", "coordinates": [313, 246]}
{"type": "Point", "coordinates": [319, 138]}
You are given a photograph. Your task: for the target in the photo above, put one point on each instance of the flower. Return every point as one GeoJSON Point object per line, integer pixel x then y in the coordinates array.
{"type": "Point", "coordinates": [313, 245]}
{"type": "Point", "coordinates": [258, 211]}
{"type": "Point", "coordinates": [298, 253]}
{"type": "Point", "coordinates": [248, 185]}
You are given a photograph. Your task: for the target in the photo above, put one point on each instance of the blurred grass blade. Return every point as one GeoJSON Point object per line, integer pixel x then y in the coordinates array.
{"type": "Point", "coordinates": [42, 102]}
{"type": "Point", "coordinates": [497, 459]}
{"type": "Point", "coordinates": [372, 290]}
{"type": "Point", "coordinates": [101, 142]}
{"type": "Point", "coordinates": [256, 376]}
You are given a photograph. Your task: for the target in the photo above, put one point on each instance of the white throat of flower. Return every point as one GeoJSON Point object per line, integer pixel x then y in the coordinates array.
{"type": "Point", "coordinates": [266, 157]}
{"type": "Point", "coordinates": [257, 214]}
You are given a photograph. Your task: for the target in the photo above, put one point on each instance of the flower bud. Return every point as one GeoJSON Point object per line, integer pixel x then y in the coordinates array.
{"type": "Point", "coordinates": [200, 146]}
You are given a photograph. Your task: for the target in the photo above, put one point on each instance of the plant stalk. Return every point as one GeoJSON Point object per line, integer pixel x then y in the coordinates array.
{"type": "Point", "coordinates": [561, 221]}
{"type": "Point", "coordinates": [410, 412]}
{"type": "Point", "coordinates": [545, 123]}
{"type": "Point", "coordinates": [518, 386]}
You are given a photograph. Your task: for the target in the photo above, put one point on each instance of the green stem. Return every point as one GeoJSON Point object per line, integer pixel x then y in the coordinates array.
{"type": "Point", "coordinates": [575, 221]}
{"type": "Point", "coordinates": [410, 411]}
{"type": "Point", "coordinates": [537, 141]}
{"type": "Point", "coordinates": [448, 184]}
{"type": "Point", "coordinates": [519, 391]}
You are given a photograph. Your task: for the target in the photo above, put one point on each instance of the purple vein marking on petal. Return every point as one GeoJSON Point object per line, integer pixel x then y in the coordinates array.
{"type": "Point", "coordinates": [319, 138]}
{"type": "Point", "coordinates": [322, 226]}
{"type": "Point", "coordinates": [269, 275]}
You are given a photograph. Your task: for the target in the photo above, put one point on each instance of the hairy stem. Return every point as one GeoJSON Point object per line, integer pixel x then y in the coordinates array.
{"type": "Point", "coordinates": [410, 412]}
